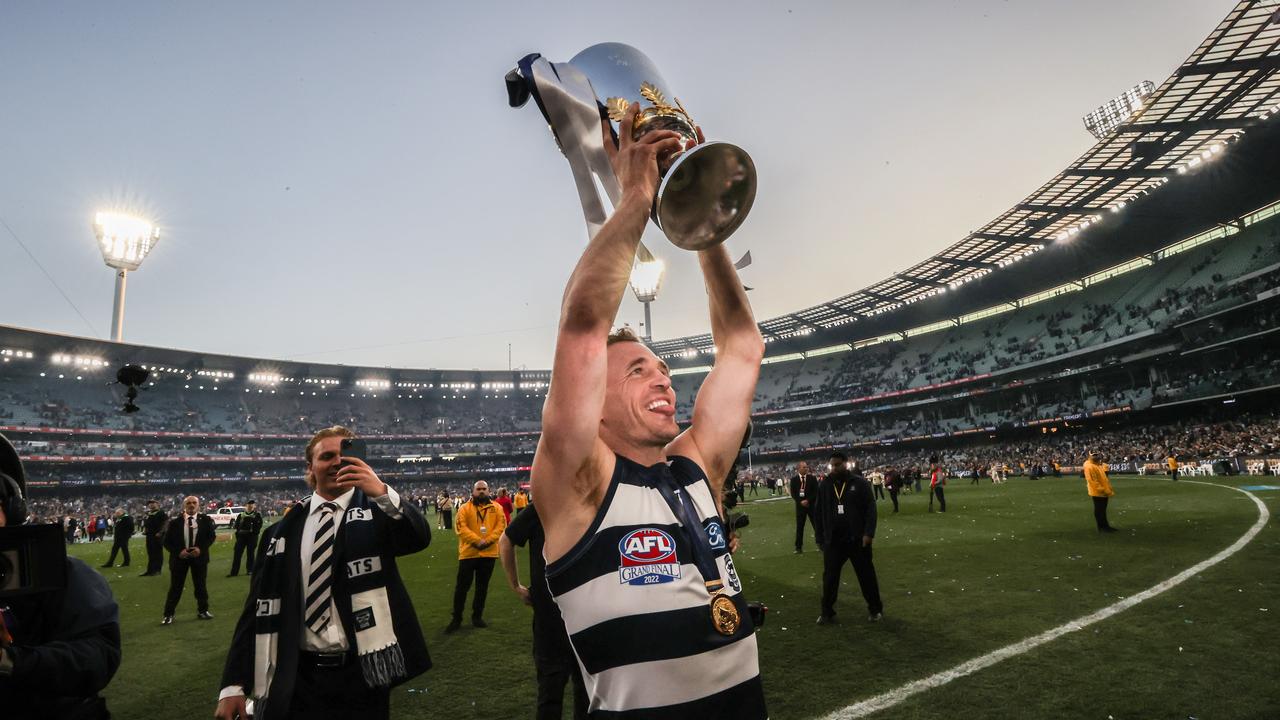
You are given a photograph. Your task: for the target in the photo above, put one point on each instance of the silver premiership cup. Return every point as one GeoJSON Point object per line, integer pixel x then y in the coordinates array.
{"type": "Point", "coordinates": [706, 189]}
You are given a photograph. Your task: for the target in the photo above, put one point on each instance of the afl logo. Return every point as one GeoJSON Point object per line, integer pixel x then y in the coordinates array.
{"type": "Point", "coordinates": [648, 557]}
{"type": "Point", "coordinates": [647, 545]}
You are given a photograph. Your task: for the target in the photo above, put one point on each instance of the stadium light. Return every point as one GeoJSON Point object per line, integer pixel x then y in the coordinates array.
{"type": "Point", "coordinates": [125, 241]}
{"type": "Point", "coordinates": [646, 281]}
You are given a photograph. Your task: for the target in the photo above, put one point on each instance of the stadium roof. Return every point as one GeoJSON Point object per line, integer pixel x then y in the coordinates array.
{"type": "Point", "coordinates": [1227, 88]}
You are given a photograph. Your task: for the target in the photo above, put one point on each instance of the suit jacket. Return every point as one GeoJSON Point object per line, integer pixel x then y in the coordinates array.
{"type": "Point", "coordinates": [175, 538]}
{"type": "Point", "coordinates": [810, 488]}
{"type": "Point", "coordinates": [404, 536]}
{"type": "Point", "coordinates": [123, 528]}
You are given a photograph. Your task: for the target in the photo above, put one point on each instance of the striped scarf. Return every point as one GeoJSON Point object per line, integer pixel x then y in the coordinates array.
{"type": "Point", "coordinates": [380, 655]}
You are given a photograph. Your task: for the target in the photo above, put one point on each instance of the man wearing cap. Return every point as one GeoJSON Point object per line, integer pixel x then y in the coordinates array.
{"type": "Point", "coordinates": [246, 527]}
{"type": "Point", "coordinates": [58, 648]}
{"type": "Point", "coordinates": [153, 526]}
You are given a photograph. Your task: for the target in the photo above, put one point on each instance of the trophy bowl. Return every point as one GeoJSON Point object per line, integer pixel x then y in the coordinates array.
{"type": "Point", "coordinates": [707, 188]}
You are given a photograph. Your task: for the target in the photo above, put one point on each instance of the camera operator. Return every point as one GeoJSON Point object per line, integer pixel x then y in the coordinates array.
{"type": "Point", "coordinates": [60, 645]}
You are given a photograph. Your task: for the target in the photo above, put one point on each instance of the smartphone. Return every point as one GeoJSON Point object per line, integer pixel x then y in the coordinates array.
{"type": "Point", "coordinates": [356, 448]}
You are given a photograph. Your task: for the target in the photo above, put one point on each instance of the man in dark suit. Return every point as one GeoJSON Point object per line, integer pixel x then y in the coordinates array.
{"type": "Point", "coordinates": [328, 627]}
{"type": "Point", "coordinates": [120, 533]}
{"type": "Point", "coordinates": [188, 539]}
{"type": "Point", "coordinates": [845, 516]}
{"type": "Point", "coordinates": [803, 487]}
{"type": "Point", "coordinates": [153, 526]}
{"type": "Point", "coordinates": [246, 527]}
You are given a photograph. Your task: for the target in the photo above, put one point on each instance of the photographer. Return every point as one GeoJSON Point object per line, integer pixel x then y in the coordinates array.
{"type": "Point", "coordinates": [59, 645]}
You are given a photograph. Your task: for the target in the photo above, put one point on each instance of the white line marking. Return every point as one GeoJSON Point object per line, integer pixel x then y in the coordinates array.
{"type": "Point", "coordinates": [893, 697]}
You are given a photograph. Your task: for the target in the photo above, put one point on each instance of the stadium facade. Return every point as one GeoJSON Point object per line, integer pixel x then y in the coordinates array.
{"type": "Point", "coordinates": [1140, 283]}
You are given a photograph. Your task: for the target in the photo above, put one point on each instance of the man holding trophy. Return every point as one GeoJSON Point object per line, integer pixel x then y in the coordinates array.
{"type": "Point", "coordinates": [630, 504]}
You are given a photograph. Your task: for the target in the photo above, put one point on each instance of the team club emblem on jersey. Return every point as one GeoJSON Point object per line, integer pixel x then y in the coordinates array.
{"type": "Point", "coordinates": [648, 557]}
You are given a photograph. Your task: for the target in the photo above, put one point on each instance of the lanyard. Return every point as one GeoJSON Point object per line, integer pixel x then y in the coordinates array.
{"type": "Point", "coordinates": [840, 492]}
{"type": "Point", "coordinates": [692, 527]}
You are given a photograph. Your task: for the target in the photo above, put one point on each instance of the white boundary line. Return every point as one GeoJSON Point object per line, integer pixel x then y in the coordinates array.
{"type": "Point", "coordinates": [893, 697]}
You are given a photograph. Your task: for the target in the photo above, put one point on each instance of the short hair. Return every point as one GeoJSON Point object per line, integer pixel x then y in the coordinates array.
{"type": "Point", "coordinates": [837, 455]}
{"type": "Point", "coordinates": [623, 334]}
{"type": "Point", "coordinates": [335, 431]}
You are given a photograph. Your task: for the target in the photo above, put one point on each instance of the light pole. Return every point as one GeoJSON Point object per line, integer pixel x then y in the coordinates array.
{"type": "Point", "coordinates": [646, 280]}
{"type": "Point", "coordinates": [125, 241]}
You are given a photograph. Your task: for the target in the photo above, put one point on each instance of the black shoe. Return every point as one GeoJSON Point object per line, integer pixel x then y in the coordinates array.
{"type": "Point", "coordinates": [1108, 529]}
{"type": "Point", "coordinates": [479, 622]}
{"type": "Point", "coordinates": [826, 619]}
{"type": "Point", "coordinates": [168, 620]}
{"type": "Point", "coordinates": [231, 574]}
{"type": "Point", "coordinates": [799, 551]}
{"type": "Point", "coordinates": [107, 565]}
{"type": "Point", "coordinates": [204, 615]}
{"type": "Point", "coordinates": [453, 625]}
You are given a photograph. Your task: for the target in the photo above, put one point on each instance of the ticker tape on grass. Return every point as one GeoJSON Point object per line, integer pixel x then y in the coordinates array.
{"type": "Point", "coordinates": [893, 697]}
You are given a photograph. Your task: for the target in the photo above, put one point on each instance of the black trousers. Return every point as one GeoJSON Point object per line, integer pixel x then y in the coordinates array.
{"type": "Point", "coordinates": [336, 694]}
{"type": "Point", "coordinates": [802, 514]}
{"type": "Point", "coordinates": [480, 570]}
{"type": "Point", "coordinates": [879, 491]}
{"type": "Point", "coordinates": [155, 554]}
{"type": "Point", "coordinates": [942, 499]}
{"type": "Point", "coordinates": [120, 545]}
{"type": "Point", "coordinates": [556, 668]}
{"type": "Point", "coordinates": [834, 557]}
{"type": "Point", "coordinates": [244, 544]}
{"type": "Point", "coordinates": [1100, 512]}
{"type": "Point", "coordinates": [893, 495]}
{"type": "Point", "coordinates": [178, 569]}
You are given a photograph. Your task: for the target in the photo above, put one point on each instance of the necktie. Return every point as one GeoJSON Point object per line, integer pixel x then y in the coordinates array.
{"type": "Point", "coordinates": [320, 580]}
{"type": "Point", "coordinates": [191, 531]}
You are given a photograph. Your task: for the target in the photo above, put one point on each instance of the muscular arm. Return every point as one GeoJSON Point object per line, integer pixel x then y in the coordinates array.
{"type": "Point", "coordinates": [723, 406]}
{"type": "Point", "coordinates": [570, 453]}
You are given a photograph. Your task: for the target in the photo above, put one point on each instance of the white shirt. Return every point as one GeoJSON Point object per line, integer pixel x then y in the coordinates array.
{"type": "Point", "coordinates": [334, 637]}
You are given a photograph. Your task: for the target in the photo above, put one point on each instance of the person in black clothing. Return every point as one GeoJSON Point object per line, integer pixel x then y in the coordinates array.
{"type": "Point", "coordinates": [552, 654]}
{"type": "Point", "coordinates": [892, 483]}
{"type": "Point", "coordinates": [845, 516]}
{"type": "Point", "coordinates": [803, 486]}
{"type": "Point", "coordinates": [246, 527]}
{"type": "Point", "coordinates": [153, 529]}
{"type": "Point", "coordinates": [188, 540]}
{"type": "Point", "coordinates": [58, 649]}
{"type": "Point", "coordinates": [121, 532]}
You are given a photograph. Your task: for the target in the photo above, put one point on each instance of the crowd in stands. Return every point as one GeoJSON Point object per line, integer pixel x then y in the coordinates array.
{"type": "Point", "coordinates": [1190, 441]}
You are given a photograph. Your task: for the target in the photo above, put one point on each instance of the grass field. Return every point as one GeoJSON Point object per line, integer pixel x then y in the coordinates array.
{"type": "Point", "coordinates": [1004, 563]}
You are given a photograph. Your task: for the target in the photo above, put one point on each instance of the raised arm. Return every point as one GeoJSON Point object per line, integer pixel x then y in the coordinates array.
{"type": "Point", "coordinates": [571, 415]}
{"type": "Point", "coordinates": [723, 406]}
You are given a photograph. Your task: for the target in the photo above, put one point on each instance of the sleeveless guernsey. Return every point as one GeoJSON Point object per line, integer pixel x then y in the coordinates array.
{"type": "Point", "coordinates": [637, 608]}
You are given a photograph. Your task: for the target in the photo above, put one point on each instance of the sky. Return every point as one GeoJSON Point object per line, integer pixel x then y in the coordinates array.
{"type": "Point", "coordinates": [344, 182]}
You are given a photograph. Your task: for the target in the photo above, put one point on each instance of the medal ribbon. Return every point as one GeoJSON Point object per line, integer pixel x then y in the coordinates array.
{"type": "Point", "coordinates": [703, 557]}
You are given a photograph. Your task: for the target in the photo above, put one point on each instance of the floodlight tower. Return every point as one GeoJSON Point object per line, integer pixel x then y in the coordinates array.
{"type": "Point", "coordinates": [646, 280]}
{"type": "Point", "coordinates": [125, 241]}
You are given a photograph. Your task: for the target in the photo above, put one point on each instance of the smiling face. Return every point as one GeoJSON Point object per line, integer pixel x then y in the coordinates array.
{"type": "Point", "coordinates": [639, 403]}
{"type": "Point", "coordinates": [322, 467]}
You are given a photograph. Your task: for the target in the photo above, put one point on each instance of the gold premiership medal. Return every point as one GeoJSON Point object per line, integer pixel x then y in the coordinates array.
{"type": "Point", "coordinates": [724, 614]}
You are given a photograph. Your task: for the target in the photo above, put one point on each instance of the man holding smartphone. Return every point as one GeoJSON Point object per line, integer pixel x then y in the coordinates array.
{"type": "Point", "coordinates": [328, 628]}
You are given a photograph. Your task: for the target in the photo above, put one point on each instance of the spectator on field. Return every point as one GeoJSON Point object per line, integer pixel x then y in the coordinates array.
{"type": "Point", "coordinates": [1099, 488]}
